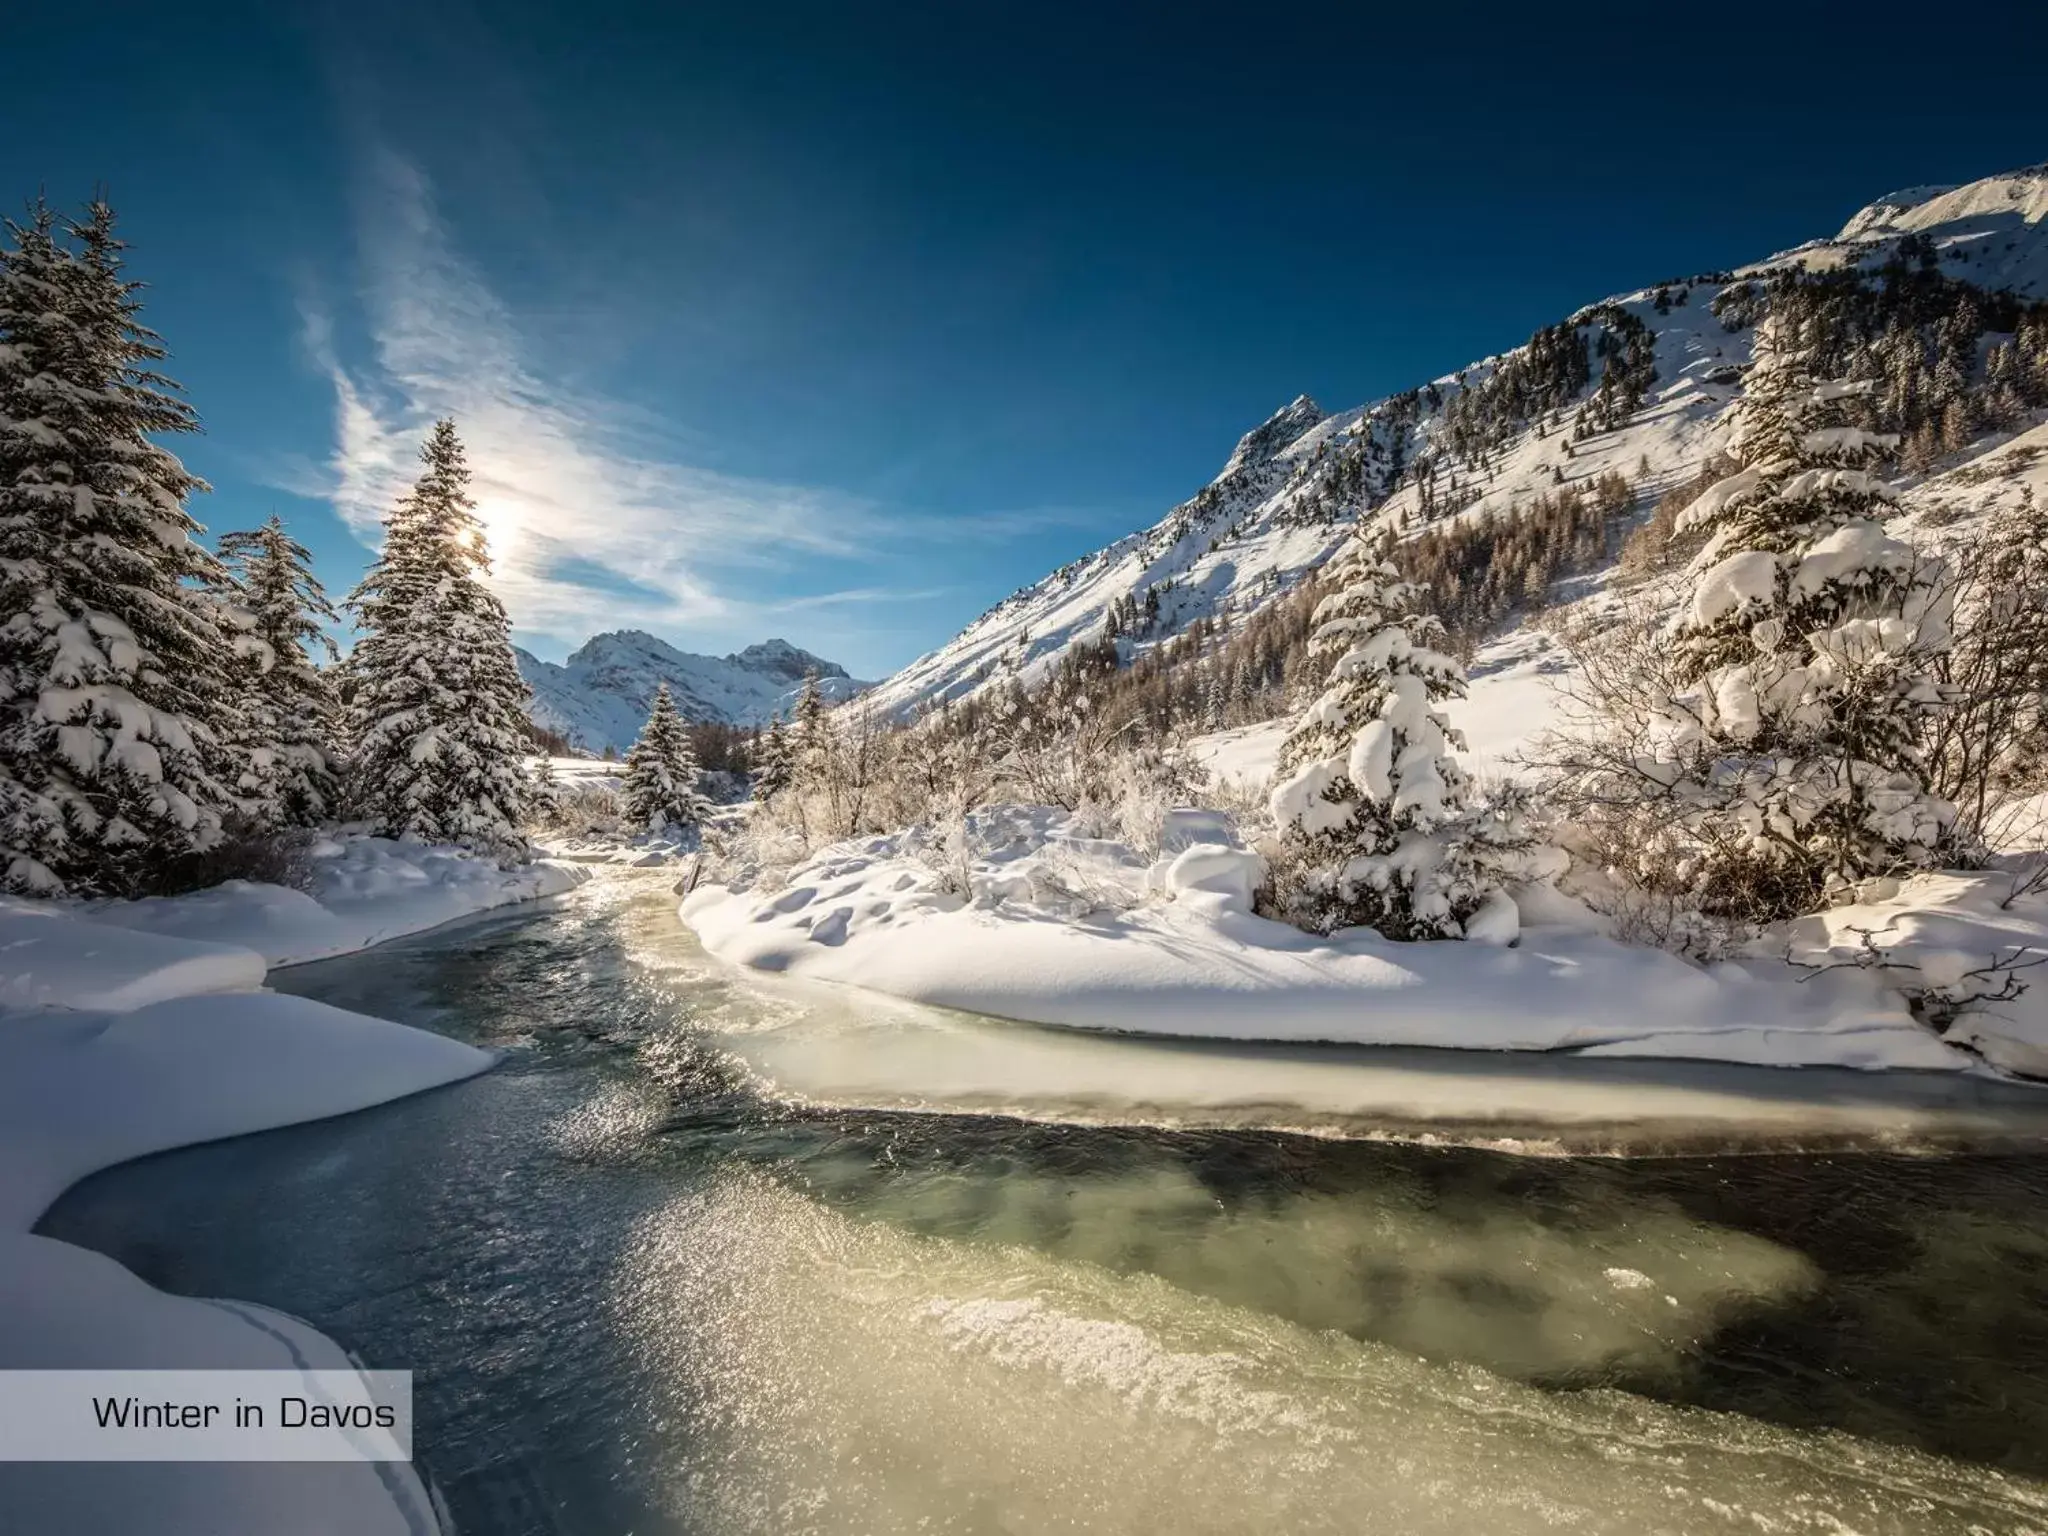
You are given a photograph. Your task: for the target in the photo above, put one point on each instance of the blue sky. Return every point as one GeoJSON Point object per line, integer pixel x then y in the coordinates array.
{"type": "Point", "coordinates": [841, 322]}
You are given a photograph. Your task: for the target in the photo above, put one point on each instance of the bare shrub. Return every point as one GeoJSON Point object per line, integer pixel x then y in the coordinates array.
{"type": "Point", "coordinates": [1989, 748]}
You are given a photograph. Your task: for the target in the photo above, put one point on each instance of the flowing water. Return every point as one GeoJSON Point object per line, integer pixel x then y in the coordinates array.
{"type": "Point", "coordinates": [705, 1256]}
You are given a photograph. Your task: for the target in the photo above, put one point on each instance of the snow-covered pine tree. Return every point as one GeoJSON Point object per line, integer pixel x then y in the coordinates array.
{"type": "Point", "coordinates": [661, 772]}
{"type": "Point", "coordinates": [438, 716]}
{"type": "Point", "coordinates": [290, 703]}
{"type": "Point", "coordinates": [1370, 803]}
{"type": "Point", "coordinates": [1805, 658]}
{"type": "Point", "coordinates": [546, 801]}
{"type": "Point", "coordinates": [116, 694]}
{"type": "Point", "coordinates": [771, 763]}
{"type": "Point", "coordinates": [810, 746]}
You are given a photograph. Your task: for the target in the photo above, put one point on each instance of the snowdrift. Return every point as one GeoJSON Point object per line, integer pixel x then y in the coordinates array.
{"type": "Point", "coordinates": [1024, 917]}
{"type": "Point", "coordinates": [365, 891]}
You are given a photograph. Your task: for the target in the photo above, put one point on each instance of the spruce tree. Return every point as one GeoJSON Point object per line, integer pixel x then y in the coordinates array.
{"type": "Point", "coordinates": [1805, 660]}
{"type": "Point", "coordinates": [291, 709]}
{"type": "Point", "coordinates": [116, 694]}
{"type": "Point", "coordinates": [546, 802]}
{"type": "Point", "coordinates": [661, 772]}
{"type": "Point", "coordinates": [809, 744]}
{"type": "Point", "coordinates": [1371, 805]}
{"type": "Point", "coordinates": [771, 763]}
{"type": "Point", "coordinates": [437, 714]}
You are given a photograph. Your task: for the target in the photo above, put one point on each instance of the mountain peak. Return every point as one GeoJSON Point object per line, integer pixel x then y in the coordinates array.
{"type": "Point", "coordinates": [2011, 197]}
{"type": "Point", "coordinates": [613, 643]}
{"type": "Point", "coordinates": [1269, 437]}
{"type": "Point", "coordinates": [600, 696]}
{"type": "Point", "coordinates": [778, 658]}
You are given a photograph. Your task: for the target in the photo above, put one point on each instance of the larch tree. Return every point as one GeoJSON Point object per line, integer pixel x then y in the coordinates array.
{"type": "Point", "coordinates": [661, 772]}
{"type": "Point", "coordinates": [437, 715]}
{"type": "Point", "coordinates": [291, 711]}
{"type": "Point", "coordinates": [116, 691]}
{"type": "Point", "coordinates": [1372, 807]}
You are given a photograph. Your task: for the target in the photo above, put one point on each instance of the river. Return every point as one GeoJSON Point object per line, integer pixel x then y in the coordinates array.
{"type": "Point", "coordinates": [703, 1255]}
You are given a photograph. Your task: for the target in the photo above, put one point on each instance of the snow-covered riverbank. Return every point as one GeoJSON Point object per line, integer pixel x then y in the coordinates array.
{"type": "Point", "coordinates": [131, 1028]}
{"type": "Point", "coordinates": [1025, 918]}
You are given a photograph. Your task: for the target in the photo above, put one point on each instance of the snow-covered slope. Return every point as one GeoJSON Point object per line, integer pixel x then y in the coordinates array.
{"type": "Point", "coordinates": [600, 697]}
{"type": "Point", "coordinates": [1987, 232]}
{"type": "Point", "coordinates": [1295, 486]}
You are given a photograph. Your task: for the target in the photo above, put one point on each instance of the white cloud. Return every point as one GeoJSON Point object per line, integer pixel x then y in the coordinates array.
{"type": "Point", "coordinates": [595, 520]}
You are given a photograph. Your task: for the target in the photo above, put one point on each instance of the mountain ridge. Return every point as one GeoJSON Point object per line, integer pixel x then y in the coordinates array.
{"type": "Point", "coordinates": [600, 695]}
{"type": "Point", "coordinates": [1670, 360]}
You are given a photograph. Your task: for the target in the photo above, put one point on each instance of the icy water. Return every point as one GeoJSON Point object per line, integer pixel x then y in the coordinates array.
{"type": "Point", "coordinates": [701, 1257]}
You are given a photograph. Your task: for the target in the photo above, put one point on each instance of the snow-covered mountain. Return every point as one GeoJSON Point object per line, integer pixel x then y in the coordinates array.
{"type": "Point", "coordinates": [600, 697]}
{"type": "Point", "coordinates": [1296, 485]}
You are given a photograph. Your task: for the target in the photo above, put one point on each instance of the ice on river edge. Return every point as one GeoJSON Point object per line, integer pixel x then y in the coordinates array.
{"type": "Point", "coordinates": [1021, 915]}
{"type": "Point", "coordinates": [135, 1027]}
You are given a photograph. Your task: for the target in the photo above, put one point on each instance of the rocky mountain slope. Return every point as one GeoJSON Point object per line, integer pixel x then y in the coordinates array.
{"type": "Point", "coordinates": [600, 696]}
{"type": "Point", "coordinates": [1638, 385]}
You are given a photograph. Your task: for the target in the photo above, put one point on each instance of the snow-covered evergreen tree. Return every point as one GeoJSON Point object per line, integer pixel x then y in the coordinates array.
{"type": "Point", "coordinates": [810, 743]}
{"type": "Point", "coordinates": [116, 695]}
{"type": "Point", "coordinates": [290, 705]}
{"type": "Point", "coordinates": [661, 790]}
{"type": "Point", "coordinates": [772, 768]}
{"type": "Point", "coordinates": [1371, 806]}
{"type": "Point", "coordinates": [437, 715]}
{"type": "Point", "coordinates": [1805, 659]}
{"type": "Point", "coordinates": [546, 801]}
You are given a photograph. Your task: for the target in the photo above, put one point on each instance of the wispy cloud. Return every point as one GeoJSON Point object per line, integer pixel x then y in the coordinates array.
{"type": "Point", "coordinates": [596, 517]}
{"type": "Point", "coordinates": [857, 597]}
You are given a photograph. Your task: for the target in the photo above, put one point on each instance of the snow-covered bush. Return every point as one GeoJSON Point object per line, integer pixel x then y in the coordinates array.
{"type": "Point", "coordinates": [1133, 791]}
{"type": "Point", "coordinates": [1372, 809]}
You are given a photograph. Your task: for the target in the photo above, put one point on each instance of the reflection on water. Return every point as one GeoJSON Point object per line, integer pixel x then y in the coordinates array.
{"type": "Point", "coordinates": [640, 1296]}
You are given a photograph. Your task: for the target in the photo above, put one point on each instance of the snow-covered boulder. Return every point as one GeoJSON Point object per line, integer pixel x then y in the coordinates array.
{"type": "Point", "coordinates": [1218, 870]}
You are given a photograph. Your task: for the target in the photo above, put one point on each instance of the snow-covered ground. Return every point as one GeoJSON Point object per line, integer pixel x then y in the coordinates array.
{"type": "Point", "coordinates": [1032, 920]}
{"type": "Point", "coordinates": [130, 1028]}
{"type": "Point", "coordinates": [1512, 699]}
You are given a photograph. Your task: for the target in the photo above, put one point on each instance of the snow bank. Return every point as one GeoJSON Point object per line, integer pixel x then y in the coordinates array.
{"type": "Point", "coordinates": [130, 1028]}
{"type": "Point", "coordinates": [51, 959]}
{"type": "Point", "coordinates": [365, 890]}
{"type": "Point", "coordinates": [83, 1091]}
{"type": "Point", "coordinates": [1975, 943]}
{"type": "Point", "coordinates": [1039, 924]}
